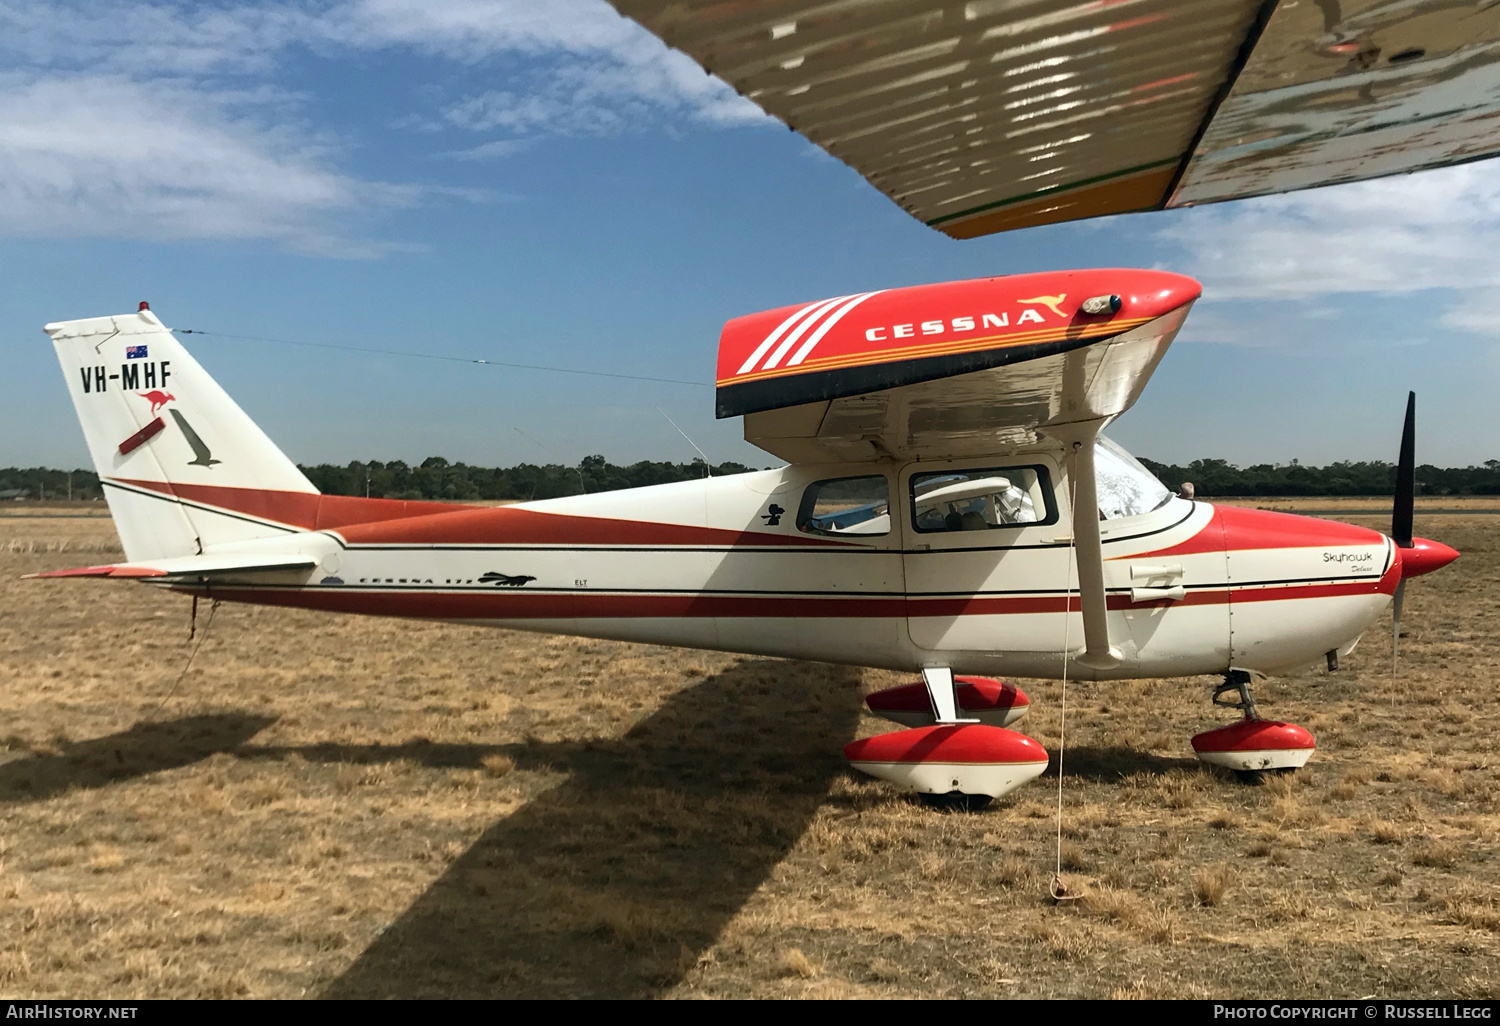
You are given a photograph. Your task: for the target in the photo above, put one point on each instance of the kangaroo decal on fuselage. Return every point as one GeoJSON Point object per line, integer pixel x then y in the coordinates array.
{"type": "Point", "coordinates": [505, 580]}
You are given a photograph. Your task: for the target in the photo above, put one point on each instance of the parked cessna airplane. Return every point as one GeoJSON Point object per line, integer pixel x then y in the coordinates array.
{"type": "Point", "coordinates": [949, 507]}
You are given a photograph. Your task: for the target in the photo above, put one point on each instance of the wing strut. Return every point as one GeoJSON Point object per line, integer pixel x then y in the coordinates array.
{"type": "Point", "coordinates": [1079, 437]}
{"type": "Point", "coordinates": [942, 690]}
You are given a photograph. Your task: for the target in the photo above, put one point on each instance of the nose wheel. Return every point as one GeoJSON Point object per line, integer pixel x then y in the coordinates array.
{"type": "Point", "coordinates": [1252, 747]}
{"type": "Point", "coordinates": [956, 801]}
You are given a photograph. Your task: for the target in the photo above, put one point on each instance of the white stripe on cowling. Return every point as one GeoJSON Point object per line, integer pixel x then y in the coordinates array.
{"type": "Point", "coordinates": [791, 339]}
{"type": "Point", "coordinates": [770, 340]}
{"type": "Point", "coordinates": [817, 336]}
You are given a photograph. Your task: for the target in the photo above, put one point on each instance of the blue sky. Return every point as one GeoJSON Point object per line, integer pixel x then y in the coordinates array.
{"type": "Point", "coordinates": [543, 182]}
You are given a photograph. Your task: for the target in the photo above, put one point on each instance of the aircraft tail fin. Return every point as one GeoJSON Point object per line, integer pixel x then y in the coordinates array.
{"type": "Point", "coordinates": [184, 469]}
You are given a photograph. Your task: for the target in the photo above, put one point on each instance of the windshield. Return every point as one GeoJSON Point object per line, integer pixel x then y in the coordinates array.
{"type": "Point", "coordinates": [1126, 488]}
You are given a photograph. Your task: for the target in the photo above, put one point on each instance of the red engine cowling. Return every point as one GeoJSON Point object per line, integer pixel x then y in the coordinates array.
{"type": "Point", "coordinates": [970, 759]}
{"type": "Point", "coordinates": [992, 702]}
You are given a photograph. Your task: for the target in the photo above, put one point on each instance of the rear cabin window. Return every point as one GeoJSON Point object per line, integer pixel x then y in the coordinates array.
{"type": "Point", "coordinates": [846, 505]}
{"type": "Point", "coordinates": [982, 499]}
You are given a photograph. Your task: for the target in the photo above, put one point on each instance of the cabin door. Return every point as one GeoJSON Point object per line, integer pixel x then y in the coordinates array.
{"type": "Point", "coordinates": [984, 564]}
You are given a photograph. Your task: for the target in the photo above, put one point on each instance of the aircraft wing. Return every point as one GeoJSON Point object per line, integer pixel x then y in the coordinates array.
{"type": "Point", "coordinates": [982, 116]}
{"type": "Point", "coordinates": [957, 369]}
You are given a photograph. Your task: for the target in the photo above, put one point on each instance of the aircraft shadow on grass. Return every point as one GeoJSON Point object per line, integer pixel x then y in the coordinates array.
{"type": "Point", "coordinates": [615, 882]}
{"type": "Point", "coordinates": [1108, 764]}
{"type": "Point", "coordinates": [144, 748]}
{"type": "Point", "coordinates": [612, 884]}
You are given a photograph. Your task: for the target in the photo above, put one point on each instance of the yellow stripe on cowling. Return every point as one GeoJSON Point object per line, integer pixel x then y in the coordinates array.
{"type": "Point", "coordinates": [937, 349]}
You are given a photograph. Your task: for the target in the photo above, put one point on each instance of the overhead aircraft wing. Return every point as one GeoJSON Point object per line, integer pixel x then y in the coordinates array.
{"type": "Point", "coordinates": [987, 115]}
{"type": "Point", "coordinates": [962, 368]}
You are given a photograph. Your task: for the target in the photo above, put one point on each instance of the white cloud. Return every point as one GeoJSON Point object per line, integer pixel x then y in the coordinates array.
{"type": "Point", "coordinates": [603, 54]}
{"type": "Point", "coordinates": [491, 150]}
{"type": "Point", "coordinates": [124, 37]}
{"type": "Point", "coordinates": [137, 119]}
{"type": "Point", "coordinates": [105, 156]}
{"type": "Point", "coordinates": [1476, 311]}
{"type": "Point", "coordinates": [577, 97]}
{"type": "Point", "coordinates": [475, 29]}
{"type": "Point", "coordinates": [601, 74]}
{"type": "Point", "coordinates": [1433, 230]}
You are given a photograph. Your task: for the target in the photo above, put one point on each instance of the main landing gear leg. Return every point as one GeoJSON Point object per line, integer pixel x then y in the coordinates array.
{"type": "Point", "coordinates": [1237, 681]}
{"type": "Point", "coordinates": [1252, 747]}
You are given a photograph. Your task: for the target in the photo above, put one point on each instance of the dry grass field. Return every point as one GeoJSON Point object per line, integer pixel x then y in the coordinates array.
{"type": "Point", "coordinates": [355, 807]}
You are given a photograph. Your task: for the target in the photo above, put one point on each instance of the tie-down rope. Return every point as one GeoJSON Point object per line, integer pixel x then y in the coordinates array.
{"type": "Point", "coordinates": [192, 630]}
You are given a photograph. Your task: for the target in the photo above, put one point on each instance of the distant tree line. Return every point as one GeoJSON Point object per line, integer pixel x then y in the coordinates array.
{"type": "Point", "coordinates": [1224, 479]}
{"type": "Point", "coordinates": [44, 482]}
{"type": "Point", "coordinates": [436, 478]}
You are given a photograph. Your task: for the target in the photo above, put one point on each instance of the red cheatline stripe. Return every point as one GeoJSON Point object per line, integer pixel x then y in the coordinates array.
{"type": "Point", "coordinates": [307, 510]}
{"type": "Point", "coordinates": [396, 522]}
{"type": "Point", "coordinates": [514, 605]}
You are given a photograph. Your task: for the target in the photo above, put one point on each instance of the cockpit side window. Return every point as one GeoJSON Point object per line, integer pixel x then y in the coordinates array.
{"type": "Point", "coordinates": [1126, 489]}
{"type": "Point", "coordinates": [981, 500]}
{"type": "Point", "coordinates": [846, 505]}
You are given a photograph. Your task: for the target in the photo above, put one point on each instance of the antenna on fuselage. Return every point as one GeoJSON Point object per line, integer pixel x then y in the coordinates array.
{"type": "Point", "coordinates": [577, 470]}
{"type": "Point", "coordinates": [708, 467]}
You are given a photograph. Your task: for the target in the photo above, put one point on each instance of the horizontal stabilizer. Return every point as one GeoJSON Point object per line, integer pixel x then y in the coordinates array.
{"type": "Point", "coordinates": [191, 566]}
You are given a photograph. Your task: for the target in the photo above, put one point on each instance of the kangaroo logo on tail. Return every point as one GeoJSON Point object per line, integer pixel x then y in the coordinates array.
{"type": "Point", "coordinates": [157, 398]}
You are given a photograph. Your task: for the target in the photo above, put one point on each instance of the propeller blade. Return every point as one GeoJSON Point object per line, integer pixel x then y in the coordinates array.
{"type": "Point", "coordinates": [1406, 477]}
{"type": "Point", "coordinates": [1396, 621]}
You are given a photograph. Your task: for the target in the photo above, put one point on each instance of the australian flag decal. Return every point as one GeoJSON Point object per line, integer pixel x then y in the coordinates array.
{"type": "Point", "coordinates": [135, 352]}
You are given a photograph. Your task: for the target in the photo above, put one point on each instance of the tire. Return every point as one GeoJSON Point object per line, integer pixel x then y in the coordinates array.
{"type": "Point", "coordinates": [956, 801]}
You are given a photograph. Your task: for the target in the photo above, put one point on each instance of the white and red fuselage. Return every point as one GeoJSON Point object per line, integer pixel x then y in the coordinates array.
{"type": "Point", "coordinates": [677, 565]}
{"type": "Point", "coordinates": [981, 394]}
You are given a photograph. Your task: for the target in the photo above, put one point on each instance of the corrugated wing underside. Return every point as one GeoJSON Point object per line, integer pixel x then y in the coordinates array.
{"type": "Point", "coordinates": [989, 115]}
{"type": "Point", "coordinates": [1342, 91]}
{"type": "Point", "coordinates": [978, 117]}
